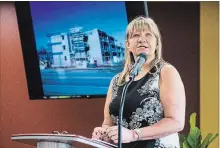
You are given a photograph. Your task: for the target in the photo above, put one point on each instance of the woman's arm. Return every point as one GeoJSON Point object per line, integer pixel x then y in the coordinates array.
{"type": "Point", "coordinates": [172, 95]}
{"type": "Point", "coordinates": [100, 132]}
{"type": "Point", "coordinates": [107, 118]}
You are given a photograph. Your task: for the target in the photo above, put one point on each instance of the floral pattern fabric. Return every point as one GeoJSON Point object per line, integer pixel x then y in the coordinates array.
{"type": "Point", "coordinates": [142, 108]}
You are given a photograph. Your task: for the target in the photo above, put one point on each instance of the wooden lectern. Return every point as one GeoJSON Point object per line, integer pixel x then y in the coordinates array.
{"type": "Point", "coordinates": [58, 140]}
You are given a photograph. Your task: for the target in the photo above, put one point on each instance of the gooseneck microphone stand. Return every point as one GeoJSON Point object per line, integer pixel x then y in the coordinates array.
{"type": "Point", "coordinates": [131, 79]}
{"type": "Point", "coordinates": [141, 59]}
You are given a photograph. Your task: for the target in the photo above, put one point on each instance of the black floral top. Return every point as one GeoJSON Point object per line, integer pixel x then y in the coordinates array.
{"type": "Point", "coordinates": [142, 108]}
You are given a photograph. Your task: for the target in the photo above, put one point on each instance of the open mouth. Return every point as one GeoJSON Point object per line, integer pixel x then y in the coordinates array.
{"type": "Point", "coordinates": [142, 47]}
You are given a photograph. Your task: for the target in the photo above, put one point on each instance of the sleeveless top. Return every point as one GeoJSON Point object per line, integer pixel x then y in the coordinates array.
{"type": "Point", "coordinates": [142, 108]}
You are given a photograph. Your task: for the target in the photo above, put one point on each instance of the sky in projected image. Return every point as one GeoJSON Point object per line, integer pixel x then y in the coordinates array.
{"type": "Point", "coordinates": [53, 17]}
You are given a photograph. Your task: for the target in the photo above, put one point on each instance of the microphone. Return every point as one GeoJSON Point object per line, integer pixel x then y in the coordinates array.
{"type": "Point", "coordinates": [141, 59]}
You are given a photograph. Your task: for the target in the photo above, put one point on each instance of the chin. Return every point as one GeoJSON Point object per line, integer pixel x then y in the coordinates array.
{"type": "Point", "coordinates": [139, 52]}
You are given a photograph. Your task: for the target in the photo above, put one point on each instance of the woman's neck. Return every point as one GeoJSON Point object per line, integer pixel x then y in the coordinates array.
{"type": "Point", "coordinates": [147, 64]}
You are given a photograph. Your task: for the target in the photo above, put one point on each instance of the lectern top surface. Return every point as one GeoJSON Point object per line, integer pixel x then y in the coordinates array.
{"type": "Point", "coordinates": [33, 138]}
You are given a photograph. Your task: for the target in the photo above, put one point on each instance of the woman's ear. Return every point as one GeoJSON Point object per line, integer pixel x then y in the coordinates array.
{"type": "Point", "coordinates": [127, 44]}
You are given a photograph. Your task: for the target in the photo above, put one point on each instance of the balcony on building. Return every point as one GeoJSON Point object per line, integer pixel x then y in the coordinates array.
{"type": "Point", "coordinates": [54, 43]}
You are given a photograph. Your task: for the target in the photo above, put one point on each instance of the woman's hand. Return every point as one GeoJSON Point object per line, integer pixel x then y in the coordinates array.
{"type": "Point", "coordinates": [100, 133]}
{"type": "Point", "coordinates": [97, 133]}
{"type": "Point", "coordinates": [127, 135]}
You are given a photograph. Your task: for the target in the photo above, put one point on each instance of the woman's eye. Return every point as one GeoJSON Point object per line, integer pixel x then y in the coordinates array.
{"type": "Point", "coordinates": [135, 35]}
{"type": "Point", "coordinates": [148, 34]}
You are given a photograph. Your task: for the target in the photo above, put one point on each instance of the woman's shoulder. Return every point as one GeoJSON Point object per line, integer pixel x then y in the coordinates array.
{"type": "Point", "coordinates": [161, 66]}
{"type": "Point", "coordinates": [168, 67]}
{"type": "Point", "coordinates": [115, 78]}
{"type": "Point", "coordinates": [168, 70]}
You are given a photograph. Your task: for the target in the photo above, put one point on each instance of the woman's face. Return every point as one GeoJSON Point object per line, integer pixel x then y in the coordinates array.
{"type": "Point", "coordinates": [142, 42]}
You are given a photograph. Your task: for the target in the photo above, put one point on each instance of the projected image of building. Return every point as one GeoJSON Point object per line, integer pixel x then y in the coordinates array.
{"type": "Point", "coordinates": [85, 49]}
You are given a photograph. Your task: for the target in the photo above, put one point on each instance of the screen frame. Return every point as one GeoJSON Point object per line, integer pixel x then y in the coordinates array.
{"type": "Point", "coordinates": [30, 57]}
